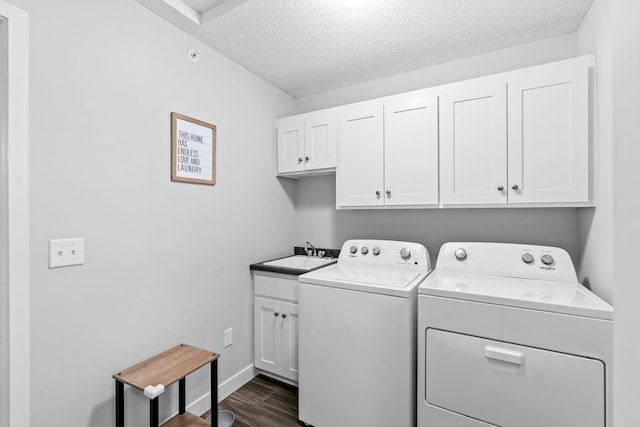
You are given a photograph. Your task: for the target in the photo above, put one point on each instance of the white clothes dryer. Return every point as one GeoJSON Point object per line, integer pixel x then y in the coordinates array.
{"type": "Point", "coordinates": [357, 330]}
{"type": "Point", "coordinates": [508, 337]}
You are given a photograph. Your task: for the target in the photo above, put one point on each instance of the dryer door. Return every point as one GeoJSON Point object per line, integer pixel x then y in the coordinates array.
{"type": "Point", "coordinates": [513, 385]}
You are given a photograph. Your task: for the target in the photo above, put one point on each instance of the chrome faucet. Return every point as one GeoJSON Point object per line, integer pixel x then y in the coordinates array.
{"type": "Point", "coordinates": [311, 250]}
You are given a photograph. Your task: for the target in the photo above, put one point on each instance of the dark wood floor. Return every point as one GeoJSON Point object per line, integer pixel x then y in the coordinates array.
{"type": "Point", "coordinates": [263, 402]}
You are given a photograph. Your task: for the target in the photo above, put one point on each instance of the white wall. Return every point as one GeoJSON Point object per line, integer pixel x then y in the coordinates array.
{"type": "Point", "coordinates": [626, 205]}
{"type": "Point", "coordinates": [596, 225]}
{"type": "Point", "coordinates": [318, 221]}
{"type": "Point", "coordinates": [165, 262]}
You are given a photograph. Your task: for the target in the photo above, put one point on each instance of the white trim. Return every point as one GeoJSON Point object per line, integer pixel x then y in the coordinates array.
{"type": "Point", "coordinates": [219, 9]}
{"type": "Point", "coordinates": [203, 403]}
{"type": "Point", "coordinates": [18, 213]}
{"type": "Point", "coordinates": [235, 382]}
{"type": "Point", "coordinates": [185, 10]}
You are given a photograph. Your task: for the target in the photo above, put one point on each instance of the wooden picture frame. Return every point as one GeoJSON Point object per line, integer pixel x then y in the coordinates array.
{"type": "Point", "coordinates": [193, 150]}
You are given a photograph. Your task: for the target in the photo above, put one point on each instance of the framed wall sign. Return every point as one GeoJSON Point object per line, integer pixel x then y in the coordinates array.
{"type": "Point", "coordinates": [193, 150]}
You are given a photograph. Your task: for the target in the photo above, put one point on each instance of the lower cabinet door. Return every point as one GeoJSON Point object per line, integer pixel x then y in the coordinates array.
{"type": "Point", "coordinates": [267, 340]}
{"type": "Point", "coordinates": [276, 337]}
{"type": "Point", "coordinates": [289, 331]}
{"type": "Point", "coordinates": [513, 385]}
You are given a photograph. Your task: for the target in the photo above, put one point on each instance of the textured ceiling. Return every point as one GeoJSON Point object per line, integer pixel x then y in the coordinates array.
{"type": "Point", "coordinates": [310, 46]}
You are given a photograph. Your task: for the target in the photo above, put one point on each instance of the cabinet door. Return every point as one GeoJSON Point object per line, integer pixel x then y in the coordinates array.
{"type": "Point", "coordinates": [549, 134]}
{"type": "Point", "coordinates": [411, 152]}
{"type": "Point", "coordinates": [267, 339]}
{"type": "Point", "coordinates": [290, 145]}
{"type": "Point", "coordinates": [473, 143]}
{"type": "Point", "coordinates": [360, 178]}
{"type": "Point", "coordinates": [321, 140]}
{"type": "Point", "coordinates": [289, 330]}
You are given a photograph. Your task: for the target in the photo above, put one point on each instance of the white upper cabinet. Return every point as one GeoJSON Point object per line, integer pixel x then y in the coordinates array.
{"type": "Point", "coordinates": [549, 133]}
{"type": "Point", "coordinates": [307, 143]}
{"type": "Point", "coordinates": [360, 180]}
{"type": "Point", "coordinates": [321, 140]}
{"type": "Point", "coordinates": [290, 145]}
{"type": "Point", "coordinates": [473, 143]}
{"type": "Point", "coordinates": [389, 154]}
{"type": "Point", "coordinates": [515, 139]}
{"type": "Point", "coordinates": [411, 152]}
{"type": "Point", "coordinates": [518, 138]}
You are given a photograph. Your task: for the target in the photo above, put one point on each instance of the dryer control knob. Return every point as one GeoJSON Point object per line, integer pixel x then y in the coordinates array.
{"type": "Point", "coordinates": [364, 250]}
{"type": "Point", "coordinates": [460, 254]}
{"type": "Point", "coordinates": [547, 259]}
{"type": "Point", "coordinates": [353, 249]}
{"type": "Point", "coordinates": [405, 253]}
{"type": "Point", "coordinates": [376, 251]}
{"type": "Point", "coordinates": [527, 258]}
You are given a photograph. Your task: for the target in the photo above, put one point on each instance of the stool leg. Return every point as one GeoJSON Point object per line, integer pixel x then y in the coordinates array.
{"type": "Point", "coordinates": [182, 400]}
{"type": "Point", "coordinates": [214, 393]}
{"type": "Point", "coordinates": [119, 404]}
{"type": "Point", "coordinates": [153, 413]}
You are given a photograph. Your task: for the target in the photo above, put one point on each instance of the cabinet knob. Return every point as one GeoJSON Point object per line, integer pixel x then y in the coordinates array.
{"type": "Point", "coordinates": [500, 188]}
{"type": "Point", "coordinates": [284, 316]}
{"type": "Point", "coordinates": [307, 158]}
{"type": "Point", "coordinates": [388, 192]}
{"type": "Point", "coordinates": [276, 314]}
{"type": "Point", "coordinates": [377, 193]}
{"type": "Point", "coordinates": [515, 187]}
{"type": "Point", "coordinates": [299, 159]}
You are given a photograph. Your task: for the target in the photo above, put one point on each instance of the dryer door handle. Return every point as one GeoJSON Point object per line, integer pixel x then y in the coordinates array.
{"type": "Point", "coordinates": [504, 355]}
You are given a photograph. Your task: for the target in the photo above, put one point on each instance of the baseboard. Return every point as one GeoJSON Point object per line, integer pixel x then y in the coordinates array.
{"type": "Point", "coordinates": [203, 403]}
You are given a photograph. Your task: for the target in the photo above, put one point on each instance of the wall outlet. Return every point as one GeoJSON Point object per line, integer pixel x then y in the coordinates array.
{"type": "Point", "coordinates": [228, 337]}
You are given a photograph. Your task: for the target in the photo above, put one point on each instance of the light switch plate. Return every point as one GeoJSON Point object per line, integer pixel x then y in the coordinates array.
{"type": "Point", "coordinates": [65, 252]}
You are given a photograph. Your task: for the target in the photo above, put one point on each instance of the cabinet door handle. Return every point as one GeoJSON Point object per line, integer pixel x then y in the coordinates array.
{"type": "Point", "coordinates": [388, 192]}
{"type": "Point", "coordinates": [500, 188]}
{"type": "Point", "coordinates": [307, 158]}
{"type": "Point", "coordinates": [276, 314]}
{"type": "Point", "coordinates": [299, 159]}
{"type": "Point", "coordinates": [284, 316]}
{"type": "Point", "coordinates": [515, 187]}
{"type": "Point", "coordinates": [377, 193]}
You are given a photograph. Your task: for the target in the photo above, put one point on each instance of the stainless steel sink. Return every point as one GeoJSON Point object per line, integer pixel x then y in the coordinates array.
{"type": "Point", "coordinates": [300, 262]}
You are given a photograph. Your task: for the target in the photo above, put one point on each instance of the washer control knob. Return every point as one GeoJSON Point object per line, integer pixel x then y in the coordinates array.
{"type": "Point", "coordinates": [527, 258]}
{"type": "Point", "coordinates": [460, 254]}
{"type": "Point", "coordinates": [353, 249]}
{"type": "Point", "coordinates": [405, 253]}
{"type": "Point", "coordinates": [364, 250]}
{"type": "Point", "coordinates": [547, 259]}
{"type": "Point", "coordinates": [376, 251]}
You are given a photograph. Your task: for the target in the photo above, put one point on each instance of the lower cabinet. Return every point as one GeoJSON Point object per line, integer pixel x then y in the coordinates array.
{"type": "Point", "coordinates": [275, 326]}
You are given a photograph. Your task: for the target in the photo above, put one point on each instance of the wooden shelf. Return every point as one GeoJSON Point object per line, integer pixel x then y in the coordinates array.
{"type": "Point", "coordinates": [186, 420]}
{"type": "Point", "coordinates": [167, 367]}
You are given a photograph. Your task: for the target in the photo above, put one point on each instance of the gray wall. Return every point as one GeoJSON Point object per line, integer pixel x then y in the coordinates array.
{"type": "Point", "coordinates": [596, 224]}
{"type": "Point", "coordinates": [317, 219]}
{"type": "Point", "coordinates": [626, 205]}
{"type": "Point", "coordinates": [166, 262]}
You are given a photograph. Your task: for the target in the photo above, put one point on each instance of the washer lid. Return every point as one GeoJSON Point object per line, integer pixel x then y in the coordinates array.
{"type": "Point", "coordinates": [557, 297]}
{"type": "Point", "coordinates": [384, 281]}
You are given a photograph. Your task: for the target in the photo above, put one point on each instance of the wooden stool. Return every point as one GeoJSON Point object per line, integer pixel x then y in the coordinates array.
{"type": "Point", "coordinates": [162, 370]}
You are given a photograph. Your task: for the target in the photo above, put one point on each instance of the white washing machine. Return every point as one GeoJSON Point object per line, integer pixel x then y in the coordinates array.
{"type": "Point", "coordinates": [508, 337]}
{"type": "Point", "coordinates": [357, 336]}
